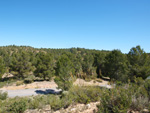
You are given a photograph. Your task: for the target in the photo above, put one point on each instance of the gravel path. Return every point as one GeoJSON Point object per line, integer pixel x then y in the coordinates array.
{"type": "Point", "coordinates": [30, 92]}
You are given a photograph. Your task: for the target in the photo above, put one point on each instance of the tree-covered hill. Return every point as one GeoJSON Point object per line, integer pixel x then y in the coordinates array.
{"type": "Point", "coordinates": [24, 61]}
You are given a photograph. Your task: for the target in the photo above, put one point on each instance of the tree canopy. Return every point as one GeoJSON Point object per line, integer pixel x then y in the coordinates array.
{"type": "Point", "coordinates": [24, 61]}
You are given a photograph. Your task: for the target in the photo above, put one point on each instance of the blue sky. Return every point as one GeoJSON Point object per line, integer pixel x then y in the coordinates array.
{"type": "Point", "coordinates": [93, 24]}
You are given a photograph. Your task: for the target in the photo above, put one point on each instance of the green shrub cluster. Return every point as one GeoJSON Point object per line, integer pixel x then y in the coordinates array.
{"type": "Point", "coordinates": [3, 95]}
{"type": "Point", "coordinates": [126, 97]}
{"type": "Point", "coordinates": [18, 106]}
{"type": "Point", "coordinates": [29, 79]}
{"type": "Point", "coordinates": [85, 94]}
{"type": "Point", "coordinates": [115, 101]}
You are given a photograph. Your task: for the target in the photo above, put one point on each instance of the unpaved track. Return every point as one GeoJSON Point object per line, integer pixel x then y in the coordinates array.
{"type": "Point", "coordinates": [30, 92]}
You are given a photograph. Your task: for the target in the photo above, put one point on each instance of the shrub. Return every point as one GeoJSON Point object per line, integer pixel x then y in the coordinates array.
{"type": "Point", "coordinates": [55, 102]}
{"type": "Point", "coordinates": [139, 103]}
{"type": "Point", "coordinates": [85, 94]}
{"type": "Point", "coordinates": [18, 106]}
{"type": "Point", "coordinates": [115, 101]}
{"type": "Point", "coordinates": [119, 83]}
{"type": "Point", "coordinates": [38, 79]}
{"type": "Point", "coordinates": [29, 79]}
{"type": "Point", "coordinates": [19, 83]}
{"type": "Point", "coordinates": [3, 95]}
{"type": "Point", "coordinates": [38, 102]}
{"type": "Point", "coordinates": [64, 85]}
{"type": "Point", "coordinates": [147, 87]}
{"type": "Point", "coordinates": [139, 81]}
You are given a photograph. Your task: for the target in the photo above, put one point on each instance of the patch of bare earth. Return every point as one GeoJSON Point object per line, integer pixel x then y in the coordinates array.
{"type": "Point", "coordinates": [81, 82]}
{"type": "Point", "coordinates": [52, 84]}
{"type": "Point", "coordinates": [35, 85]}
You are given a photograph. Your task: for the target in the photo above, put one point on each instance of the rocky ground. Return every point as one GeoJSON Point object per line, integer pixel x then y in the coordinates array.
{"type": "Point", "coordinates": [78, 108]}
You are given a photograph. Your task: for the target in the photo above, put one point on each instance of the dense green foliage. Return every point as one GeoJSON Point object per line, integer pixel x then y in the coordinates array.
{"type": "Point", "coordinates": [116, 66]}
{"type": "Point", "coordinates": [139, 63]}
{"type": "Point", "coordinates": [44, 65]}
{"type": "Point", "coordinates": [18, 106]}
{"type": "Point", "coordinates": [126, 98]}
{"type": "Point", "coordinates": [65, 64]}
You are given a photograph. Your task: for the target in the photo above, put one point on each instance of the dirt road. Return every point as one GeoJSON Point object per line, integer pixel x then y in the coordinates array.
{"type": "Point", "coordinates": [30, 92]}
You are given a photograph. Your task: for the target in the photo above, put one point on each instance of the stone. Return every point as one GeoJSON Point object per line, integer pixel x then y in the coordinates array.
{"type": "Point", "coordinates": [145, 111]}
{"type": "Point", "coordinates": [88, 106]}
{"type": "Point", "coordinates": [73, 109]}
{"type": "Point", "coordinates": [47, 108]}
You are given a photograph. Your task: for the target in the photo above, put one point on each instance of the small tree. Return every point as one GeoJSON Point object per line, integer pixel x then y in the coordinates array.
{"type": "Point", "coordinates": [45, 66]}
{"type": "Point", "coordinates": [116, 66]}
{"type": "Point", "coordinates": [2, 67]}
{"type": "Point", "coordinates": [21, 65]}
{"type": "Point", "coordinates": [64, 72]}
{"type": "Point", "coordinates": [140, 63]}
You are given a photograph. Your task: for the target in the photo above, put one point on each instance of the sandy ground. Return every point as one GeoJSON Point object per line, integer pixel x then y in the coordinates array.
{"type": "Point", "coordinates": [35, 85]}
{"type": "Point", "coordinates": [52, 84]}
{"type": "Point", "coordinates": [81, 82]}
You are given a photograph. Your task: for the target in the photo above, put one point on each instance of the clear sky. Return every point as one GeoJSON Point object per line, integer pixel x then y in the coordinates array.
{"type": "Point", "coordinates": [93, 24]}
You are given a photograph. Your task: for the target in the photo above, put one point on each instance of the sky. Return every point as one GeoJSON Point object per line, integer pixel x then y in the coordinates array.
{"type": "Point", "coordinates": [92, 24]}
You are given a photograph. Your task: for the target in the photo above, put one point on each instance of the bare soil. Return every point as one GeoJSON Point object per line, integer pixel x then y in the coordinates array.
{"type": "Point", "coordinates": [52, 84]}
{"type": "Point", "coordinates": [35, 85]}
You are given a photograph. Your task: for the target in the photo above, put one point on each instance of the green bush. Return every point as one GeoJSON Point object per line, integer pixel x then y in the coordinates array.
{"type": "Point", "coordinates": [64, 85]}
{"type": "Point", "coordinates": [139, 103]}
{"type": "Point", "coordinates": [29, 79]}
{"type": "Point", "coordinates": [38, 102]}
{"type": "Point", "coordinates": [115, 101]}
{"type": "Point", "coordinates": [55, 102]}
{"type": "Point", "coordinates": [85, 94]}
{"type": "Point", "coordinates": [18, 106]}
{"type": "Point", "coordinates": [19, 83]}
{"type": "Point", "coordinates": [139, 81]}
{"type": "Point", "coordinates": [38, 79]}
{"type": "Point", "coordinates": [3, 95]}
{"type": "Point", "coordinates": [147, 87]}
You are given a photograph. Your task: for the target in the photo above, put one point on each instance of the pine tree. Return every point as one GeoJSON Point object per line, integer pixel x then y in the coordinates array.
{"type": "Point", "coordinates": [116, 66]}
{"type": "Point", "coordinates": [139, 63]}
{"type": "Point", "coordinates": [45, 66]}
{"type": "Point", "coordinates": [21, 65]}
{"type": "Point", "coordinates": [64, 72]}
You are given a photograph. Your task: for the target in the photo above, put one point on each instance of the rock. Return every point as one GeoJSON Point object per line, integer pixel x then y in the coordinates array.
{"type": "Point", "coordinates": [73, 110]}
{"type": "Point", "coordinates": [57, 112]}
{"type": "Point", "coordinates": [88, 106]}
{"type": "Point", "coordinates": [145, 111]}
{"type": "Point", "coordinates": [32, 111]}
{"type": "Point", "coordinates": [47, 108]}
